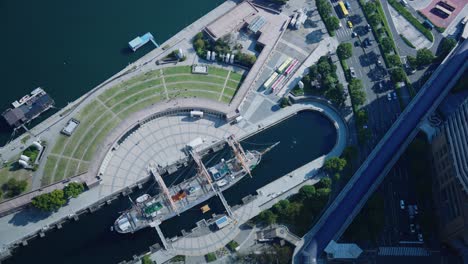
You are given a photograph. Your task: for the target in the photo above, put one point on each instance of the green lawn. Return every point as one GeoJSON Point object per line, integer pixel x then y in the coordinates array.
{"type": "Point", "coordinates": [229, 92]}
{"type": "Point", "coordinates": [194, 77]}
{"type": "Point", "coordinates": [88, 137]}
{"type": "Point", "coordinates": [83, 168]}
{"type": "Point", "coordinates": [89, 108]}
{"type": "Point", "coordinates": [72, 168]}
{"type": "Point", "coordinates": [60, 144]}
{"type": "Point", "coordinates": [48, 176]}
{"type": "Point", "coordinates": [136, 98]}
{"type": "Point", "coordinates": [141, 105]}
{"type": "Point", "coordinates": [195, 93]}
{"type": "Point", "coordinates": [132, 90]}
{"type": "Point", "coordinates": [194, 86]}
{"type": "Point", "coordinates": [233, 84]}
{"type": "Point", "coordinates": [99, 138]}
{"type": "Point", "coordinates": [217, 71]}
{"type": "Point", "coordinates": [140, 78]}
{"type": "Point", "coordinates": [177, 70]}
{"type": "Point", "coordinates": [235, 76]}
{"type": "Point", "coordinates": [60, 171]}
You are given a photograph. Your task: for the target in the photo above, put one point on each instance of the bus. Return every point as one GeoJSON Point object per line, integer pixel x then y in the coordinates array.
{"type": "Point", "coordinates": [291, 67]}
{"type": "Point", "coordinates": [283, 66]}
{"type": "Point", "coordinates": [270, 80]}
{"type": "Point", "coordinates": [343, 8]}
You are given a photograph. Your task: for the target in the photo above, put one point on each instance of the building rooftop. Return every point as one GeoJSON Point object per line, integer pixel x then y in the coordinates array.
{"type": "Point", "coordinates": [233, 20]}
{"type": "Point", "coordinates": [343, 251]}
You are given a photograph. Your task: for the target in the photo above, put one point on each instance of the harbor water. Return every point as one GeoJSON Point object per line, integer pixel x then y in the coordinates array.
{"type": "Point", "coordinates": [69, 47]}
{"type": "Point", "coordinates": [303, 138]}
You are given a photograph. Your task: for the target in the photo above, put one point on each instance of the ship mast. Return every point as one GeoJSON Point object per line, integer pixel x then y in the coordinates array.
{"type": "Point", "coordinates": [163, 186]}
{"type": "Point", "coordinates": [239, 153]}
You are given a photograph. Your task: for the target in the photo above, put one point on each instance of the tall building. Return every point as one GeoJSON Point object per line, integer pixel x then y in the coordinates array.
{"type": "Point", "coordinates": [450, 188]}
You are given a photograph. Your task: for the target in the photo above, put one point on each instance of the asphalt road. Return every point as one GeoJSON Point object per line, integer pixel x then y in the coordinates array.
{"type": "Point", "coordinates": [340, 211]}
{"type": "Point", "coordinates": [381, 111]}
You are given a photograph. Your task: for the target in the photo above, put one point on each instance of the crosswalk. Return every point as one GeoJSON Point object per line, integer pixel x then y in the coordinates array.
{"type": "Point", "coordinates": [403, 251]}
{"type": "Point", "coordinates": [344, 32]}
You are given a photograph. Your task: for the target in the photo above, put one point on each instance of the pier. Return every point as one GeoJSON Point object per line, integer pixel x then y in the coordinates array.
{"type": "Point", "coordinates": [139, 42]}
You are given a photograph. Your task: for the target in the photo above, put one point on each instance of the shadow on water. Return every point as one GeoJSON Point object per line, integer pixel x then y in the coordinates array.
{"type": "Point", "coordinates": [304, 137]}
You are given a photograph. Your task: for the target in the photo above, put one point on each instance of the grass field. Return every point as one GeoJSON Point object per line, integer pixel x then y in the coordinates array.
{"type": "Point", "coordinates": [100, 116]}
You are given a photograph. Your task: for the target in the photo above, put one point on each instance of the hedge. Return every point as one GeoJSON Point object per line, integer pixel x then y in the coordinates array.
{"type": "Point", "coordinates": [407, 41]}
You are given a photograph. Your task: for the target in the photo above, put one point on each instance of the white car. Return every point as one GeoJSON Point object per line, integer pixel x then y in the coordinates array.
{"type": "Point", "coordinates": [415, 209]}
{"type": "Point", "coordinates": [352, 72]}
{"type": "Point", "coordinates": [379, 63]}
{"type": "Point", "coordinates": [402, 205]}
{"type": "Point", "coordinates": [420, 238]}
{"type": "Point", "coordinates": [389, 97]}
{"type": "Point", "coordinates": [394, 96]}
{"type": "Point", "coordinates": [341, 25]}
{"type": "Point", "coordinates": [412, 229]}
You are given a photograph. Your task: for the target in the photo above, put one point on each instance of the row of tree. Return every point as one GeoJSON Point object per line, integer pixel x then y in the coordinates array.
{"type": "Point", "coordinates": [54, 200]}
{"type": "Point", "coordinates": [331, 22]}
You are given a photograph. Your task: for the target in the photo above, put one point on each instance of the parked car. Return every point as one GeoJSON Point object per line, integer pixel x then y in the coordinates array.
{"type": "Point", "coordinates": [353, 34]}
{"type": "Point", "coordinates": [402, 203]}
{"type": "Point", "coordinates": [348, 6]}
{"type": "Point", "coordinates": [379, 62]}
{"type": "Point", "coordinates": [352, 72]}
{"type": "Point", "coordinates": [381, 85]}
{"type": "Point", "coordinates": [394, 96]}
{"type": "Point", "coordinates": [389, 97]}
{"type": "Point", "coordinates": [420, 238]}
{"type": "Point", "coordinates": [368, 27]}
{"type": "Point", "coordinates": [412, 229]}
{"type": "Point", "coordinates": [415, 209]}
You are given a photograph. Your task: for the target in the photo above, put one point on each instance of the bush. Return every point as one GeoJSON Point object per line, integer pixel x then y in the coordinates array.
{"type": "Point", "coordinates": [324, 183]}
{"type": "Point", "coordinates": [178, 258]}
{"type": "Point", "coordinates": [387, 45]}
{"type": "Point", "coordinates": [210, 257]}
{"type": "Point", "coordinates": [49, 201]}
{"type": "Point", "coordinates": [407, 41]}
{"type": "Point", "coordinates": [307, 192]}
{"type": "Point", "coordinates": [146, 260]}
{"type": "Point", "coordinates": [73, 189]}
{"type": "Point", "coordinates": [393, 60]}
{"type": "Point", "coordinates": [268, 217]}
{"type": "Point", "coordinates": [14, 187]}
{"type": "Point", "coordinates": [445, 46]}
{"type": "Point", "coordinates": [284, 101]}
{"type": "Point", "coordinates": [232, 245]}
{"type": "Point", "coordinates": [398, 75]}
{"type": "Point", "coordinates": [334, 164]}
{"type": "Point", "coordinates": [246, 59]}
{"type": "Point", "coordinates": [344, 51]}
{"type": "Point", "coordinates": [424, 57]}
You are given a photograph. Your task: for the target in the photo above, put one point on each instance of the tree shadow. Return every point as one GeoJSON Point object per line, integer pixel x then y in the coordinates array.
{"type": "Point", "coordinates": [28, 215]}
{"type": "Point", "coordinates": [355, 19]}
{"type": "Point", "coordinates": [314, 37]}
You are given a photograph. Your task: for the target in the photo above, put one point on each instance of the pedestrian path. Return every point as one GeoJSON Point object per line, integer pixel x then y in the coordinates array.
{"type": "Point", "coordinates": [403, 251]}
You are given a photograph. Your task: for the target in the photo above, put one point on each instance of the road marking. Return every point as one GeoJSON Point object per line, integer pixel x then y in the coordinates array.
{"type": "Point", "coordinates": [224, 86]}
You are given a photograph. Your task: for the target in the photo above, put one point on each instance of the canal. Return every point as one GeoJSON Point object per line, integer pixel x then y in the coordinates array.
{"type": "Point", "coordinates": [303, 138]}
{"type": "Point", "coordinates": [69, 47]}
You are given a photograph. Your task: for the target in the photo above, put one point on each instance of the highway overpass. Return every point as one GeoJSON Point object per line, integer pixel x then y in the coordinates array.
{"type": "Point", "coordinates": [349, 202]}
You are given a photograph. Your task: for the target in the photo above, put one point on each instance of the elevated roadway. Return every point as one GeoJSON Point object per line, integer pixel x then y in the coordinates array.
{"type": "Point", "coordinates": [349, 202]}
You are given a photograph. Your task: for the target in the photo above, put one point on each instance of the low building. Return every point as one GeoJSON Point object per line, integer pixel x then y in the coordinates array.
{"type": "Point", "coordinates": [72, 124]}
{"type": "Point", "coordinates": [342, 251]}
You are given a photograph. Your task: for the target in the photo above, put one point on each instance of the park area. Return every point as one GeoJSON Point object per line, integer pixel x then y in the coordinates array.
{"type": "Point", "coordinates": [72, 155]}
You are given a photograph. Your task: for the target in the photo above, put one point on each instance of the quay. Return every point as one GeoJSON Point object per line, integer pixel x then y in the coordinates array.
{"type": "Point", "coordinates": [120, 161]}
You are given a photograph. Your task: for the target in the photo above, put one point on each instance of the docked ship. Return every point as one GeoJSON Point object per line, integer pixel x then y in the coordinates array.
{"type": "Point", "coordinates": [174, 200]}
{"type": "Point", "coordinates": [28, 107]}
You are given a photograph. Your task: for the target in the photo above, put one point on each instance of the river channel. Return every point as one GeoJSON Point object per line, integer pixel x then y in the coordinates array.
{"type": "Point", "coordinates": [303, 138]}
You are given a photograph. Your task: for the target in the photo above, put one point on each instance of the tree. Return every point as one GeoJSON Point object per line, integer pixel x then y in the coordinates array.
{"type": "Point", "coordinates": [387, 45]}
{"type": "Point", "coordinates": [393, 60]}
{"type": "Point", "coordinates": [73, 189]}
{"type": "Point", "coordinates": [284, 101]}
{"type": "Point", "coordinates": [398, 74]}
{"type": "Point", "coordinates": [336, 177]}
{"type": "Point", "coordinates": [370, 8]}
{"type": "Point", "coordinates": [445, 46]}
{"type": "Point", "coordinates": [358, 97]}
{"type": "Point", "coordinates": [307, 192]}
{"type": "Point", "coordinates": [246, 59]}
{"type": "Point", "coordinates": [344, 51]}
{"type": "Point", "coordinates": [146, 260]}
{"type": "Point", "coordinates": [323, 192]}
{"type": "Point", "coordinates": [14, 187]}
{"type": "Point", "coordinates": [268, 217]}
{"type": "Point", "coordinates": [324, 183]}
{"type": "Point", "coordinates": [336, 95]}
{"type": "Point", "coordinates": [334, 164]}
{"type": "Point", "coordinates": [374, 20]}
{"type": "Point", "coordinates": [313, 72]}
{"type": "Point", "coordinates": [49, 201]}
{"type": "Point", "coordinates": [361, 117]}
{"type": "Point", "coordinates": [332, 22]}
{"type": "Point", "coordinates": [424, 57]}
{"type": "Point", "coordinates": [329, 82]}
{"type": "Point", "coordinates": [199, 44]}
{"type": "Point", "coordinates": [323, 66]}
{"type": "Point", "coordinates": [412, 61]}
